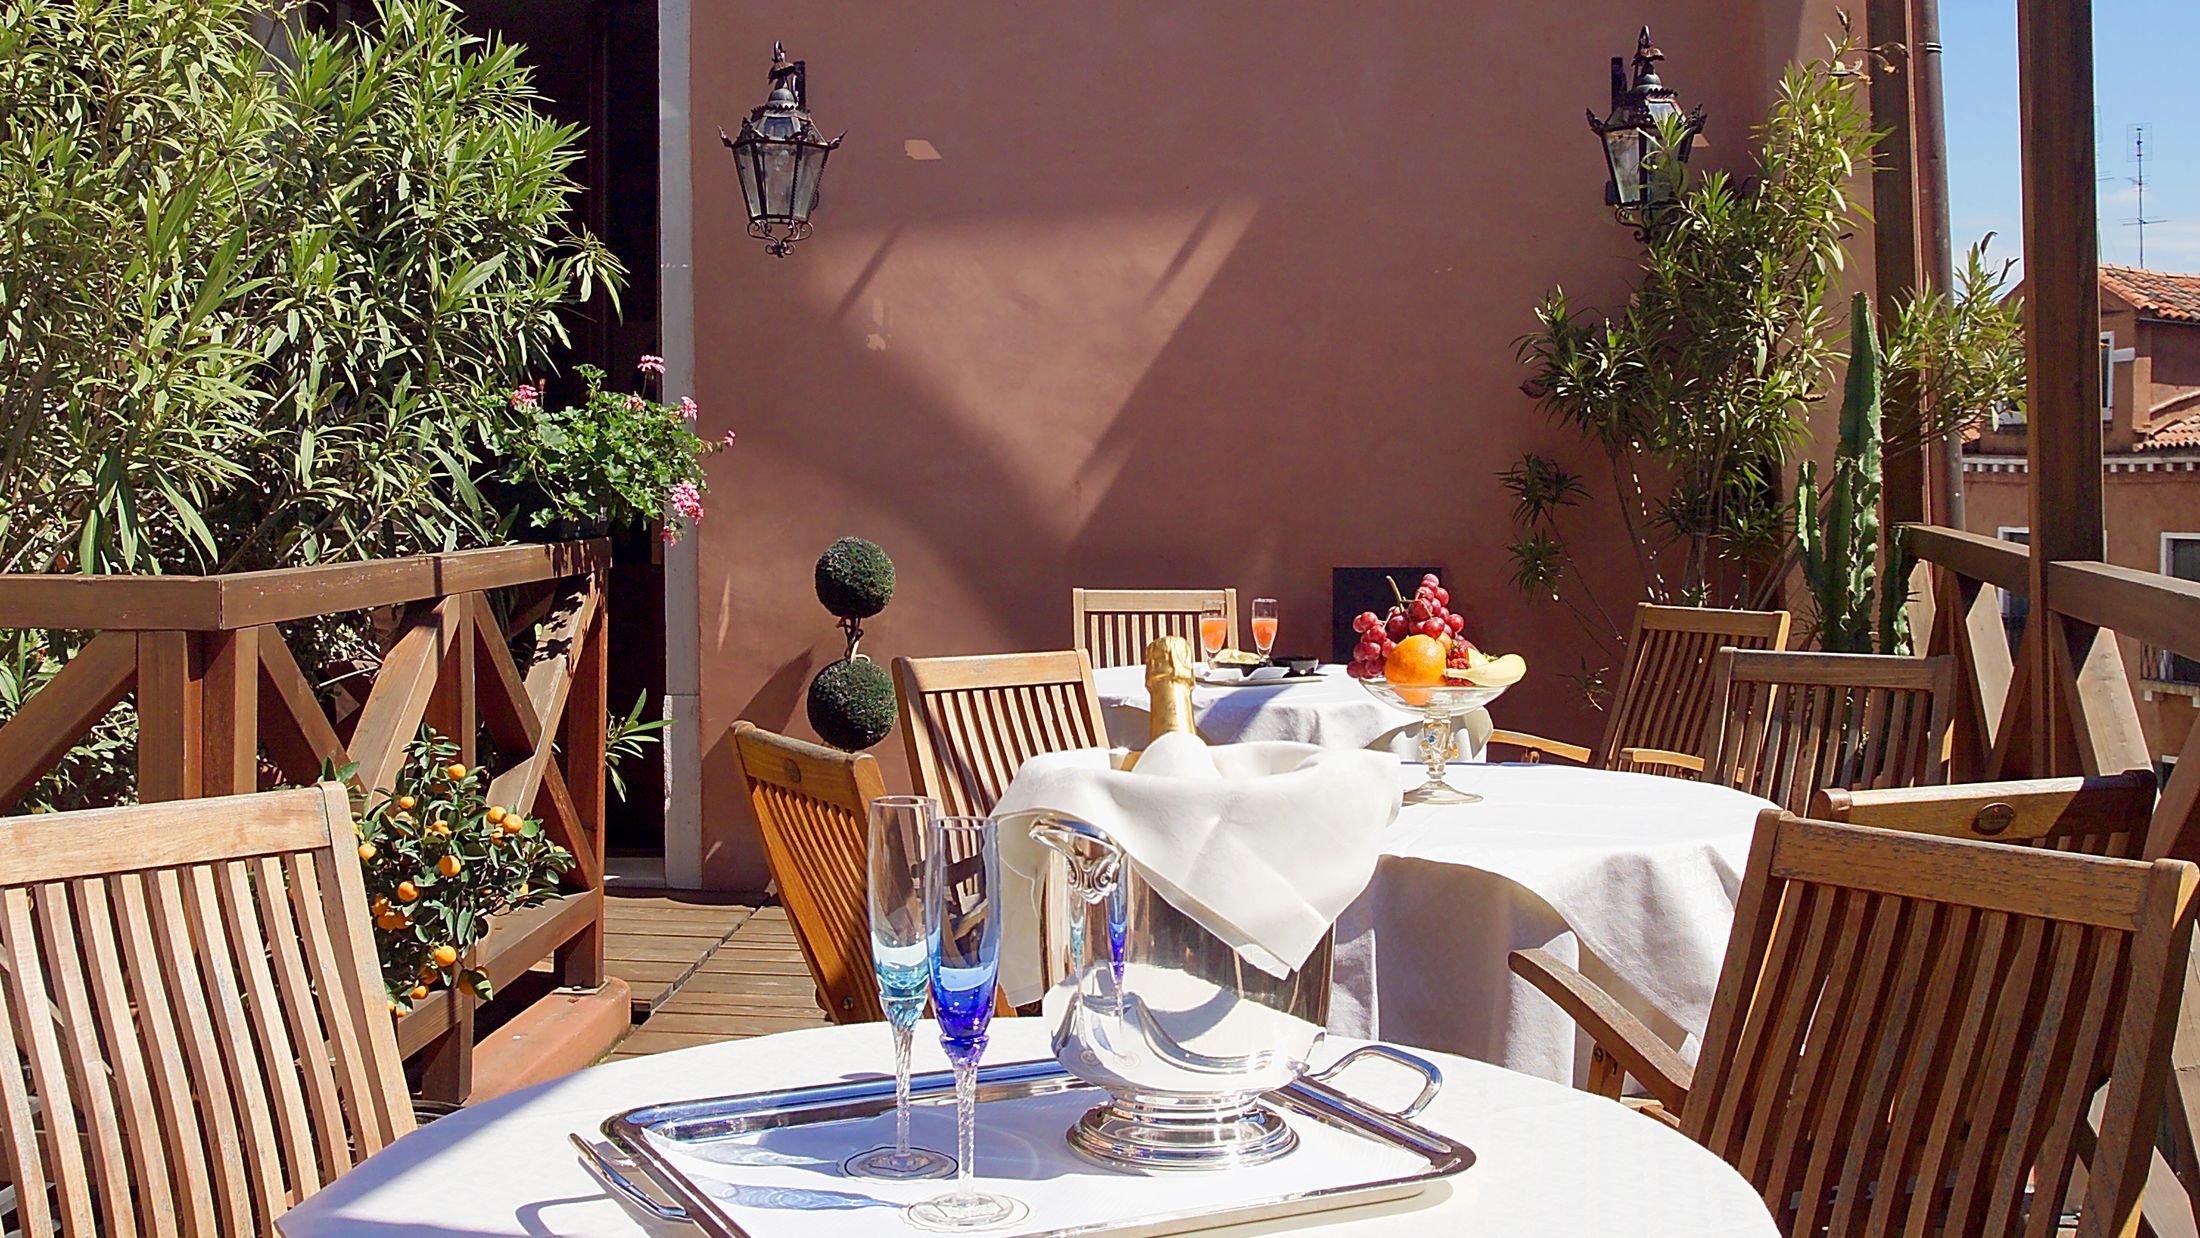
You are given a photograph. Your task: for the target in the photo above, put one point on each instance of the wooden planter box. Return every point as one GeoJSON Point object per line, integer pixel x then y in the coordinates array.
{"type": "Point", "coordinates": [216, 686]}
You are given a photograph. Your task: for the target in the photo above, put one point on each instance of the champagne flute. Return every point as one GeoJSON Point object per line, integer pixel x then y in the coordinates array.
{"type": "Point", "coordinates": [1264, 625]}
{"type": "Point", "coordinates": [963, 922]}
{"type": "Point", "coordinates": [900, 845]}
{"type": "Point", "coordinates": [1214, 633]}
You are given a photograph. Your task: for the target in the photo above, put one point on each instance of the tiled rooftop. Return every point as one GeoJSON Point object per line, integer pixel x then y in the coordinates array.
{"type": "Point", "coordinates": [2159, 294]}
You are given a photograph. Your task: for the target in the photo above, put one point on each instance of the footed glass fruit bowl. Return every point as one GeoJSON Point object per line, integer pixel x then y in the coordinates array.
{"type": "Point", "coordinates": [1441, 707]}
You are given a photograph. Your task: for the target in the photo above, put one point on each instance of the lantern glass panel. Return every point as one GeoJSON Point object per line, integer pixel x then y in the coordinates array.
{"type": "Point", "coordinates": [752, 194]}
{"type": "Point", "coordinates": [776, 170]}
{"type": "Point", "coordinates": [1624, 148]}
{"type": "Point", "coordinates": [809, 174]}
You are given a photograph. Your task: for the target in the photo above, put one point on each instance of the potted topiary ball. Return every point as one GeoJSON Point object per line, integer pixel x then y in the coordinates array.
{"type": "Point", "coordinates": [851, 701]}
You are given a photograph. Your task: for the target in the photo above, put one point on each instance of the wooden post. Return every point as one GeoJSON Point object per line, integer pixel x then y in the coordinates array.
{"type": "Point", "coordinates": [230, 711]}
{"type": "Point", "coordinates": [1895, 265]}
{"type": "Point", "coordinates": [452, 709]}
{"type": "Point", "coordinates": [584, 731]}
{"type": "Point", "coordinates": [170, 682]}
{"type": "Point", "coordinates": [2062, 340]}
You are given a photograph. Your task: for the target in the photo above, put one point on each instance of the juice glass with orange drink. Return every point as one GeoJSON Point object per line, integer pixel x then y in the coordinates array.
{"type": "Point", "coordinates": [1214, 633]}
{"type": "Point", "coordinates": [1264, 624]}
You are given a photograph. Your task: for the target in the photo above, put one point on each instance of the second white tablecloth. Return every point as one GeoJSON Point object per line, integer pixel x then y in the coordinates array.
{"type": "Point", "coordinates": [1632, 876]}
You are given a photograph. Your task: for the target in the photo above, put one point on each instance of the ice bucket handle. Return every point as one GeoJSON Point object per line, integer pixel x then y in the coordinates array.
{"type": "Point", "coordinates": [1432, 1079]}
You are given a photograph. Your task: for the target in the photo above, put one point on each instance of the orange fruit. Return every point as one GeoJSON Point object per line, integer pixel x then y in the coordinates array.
{"type": "Point", "coordinates": [419, 993]}
{"type": "Point", "coordinates": [391, 921]}
{"type": "Point", "coordinates": [407, 891]}
{"type": "Point", "coordinates": [445, 956]}
{"type": "Point", "coordinates": [1417, 662]}
{"type": "Point", "coordinates": [513, 825]}
{"type": "Point", "coordinates": [406, 802]}
{"type": "Point", "coordinates": [441, 829]}
{"type": "Point", "coordinates": [448, 866]}
{"type": "Point", "coordinates": [456, 771]}
{"type": "Point", "coordinates": [366, 851]}
{"type": "Point", "coordinates": [496, 813]}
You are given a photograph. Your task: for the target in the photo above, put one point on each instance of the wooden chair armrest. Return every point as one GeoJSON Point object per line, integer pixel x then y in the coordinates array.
{"type": "Point", "coordinates": [1658, 761]}
{"type": "Point", "coordinates": [1537, 746]}
{"type": "Point", "coordinates": [1612, 1026]}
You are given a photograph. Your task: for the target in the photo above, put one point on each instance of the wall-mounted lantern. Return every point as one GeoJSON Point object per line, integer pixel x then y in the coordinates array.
{"type": "Point", "coordinates": [1634, 189]}
{"type": "Point", "coordinates": [781, 157]}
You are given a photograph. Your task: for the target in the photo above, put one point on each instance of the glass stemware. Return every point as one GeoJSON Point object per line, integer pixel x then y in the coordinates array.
{"type": "Point", "coordinates": [900, 845]}
{"type": "Point", "coordinates": [1264, 625]}
{"type": "Point", "coordinates": [962, 911]}
{"type": "Point", "coordinates": [1214, 633]}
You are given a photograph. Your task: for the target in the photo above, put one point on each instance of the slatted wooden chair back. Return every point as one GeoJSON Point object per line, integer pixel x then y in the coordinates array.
{"type": "Point", "coordinates": [1664, 698]}
{"type": "Point", "coordinates": [1793, 723]}
{"type": "Point", "coordinates": [2104, 815]}
{"type": "Point", "coordinates": [970, 722]}
{"type": "Point", "coordinates": [1114, 626]}
{"type": "Point", "coordinates": [197, 1036]}
{"type": "Point", "coordinates": [812, 806]}
{"type": "Point", "coordinates": [1897, 1009]}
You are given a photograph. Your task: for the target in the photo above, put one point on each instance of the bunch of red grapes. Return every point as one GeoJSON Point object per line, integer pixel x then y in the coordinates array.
{"type": "Point", "coordinates": [1428, 614]}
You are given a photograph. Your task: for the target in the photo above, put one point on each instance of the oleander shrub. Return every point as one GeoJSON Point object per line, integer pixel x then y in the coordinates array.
{"type": "Point", "coordinates": [262, 293]}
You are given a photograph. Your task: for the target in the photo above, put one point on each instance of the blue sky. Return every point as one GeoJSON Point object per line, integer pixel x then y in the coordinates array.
{"type": "Point", "coordinates": [2144, 73]}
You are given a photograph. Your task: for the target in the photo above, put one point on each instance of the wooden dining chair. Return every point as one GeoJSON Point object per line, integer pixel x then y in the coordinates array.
{"type": "Point", "coordinates": [970, 722]}
{"type": "Point", "coordinates": [1114, 626]}
{"type": "Point", "coordinates": [1789, 724]}
{"type": "Point", "coordinates": [2104, 815]}
{"type": "Point", "coordinates": [1897, 1009]}
{"type": "Point", "coordinates": [812, 806]}
{"type": "Point", "coordinates": [1663, 698]}
{"type": "Point", "coordinates": [197, 1036]}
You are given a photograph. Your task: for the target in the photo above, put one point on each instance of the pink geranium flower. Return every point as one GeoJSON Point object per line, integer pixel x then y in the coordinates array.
{"type": "Point", "coordinates": [651, 363]}
{"type": "Point", "coordinates": [635, 403]}
{"type": "Point", "coordinates": [526, 395]}
{"type": "Point", "coordinates": [728, 440]}
{"type": "Point", "coordinates": [688, 407]}
{"type": "Point", "coordinates": [686, 501]}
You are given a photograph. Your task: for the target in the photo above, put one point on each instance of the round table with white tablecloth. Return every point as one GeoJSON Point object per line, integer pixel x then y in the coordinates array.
{"type": "Point", "coordinates": [1548, 1160]}
{"type": "Point", "coordinates": [1330, 710]}
{"type": "Point", "coordinates": [1632, 877]}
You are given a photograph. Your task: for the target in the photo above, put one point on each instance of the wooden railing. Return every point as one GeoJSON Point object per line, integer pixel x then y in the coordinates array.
{"type": "Point", "coordinates": [217, 687]}
{"type": "Point", "coordinates": [2091, 724]}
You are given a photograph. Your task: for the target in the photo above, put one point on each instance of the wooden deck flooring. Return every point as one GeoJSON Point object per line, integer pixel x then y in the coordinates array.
{"type": "Point", "coordinates": [705, 967]}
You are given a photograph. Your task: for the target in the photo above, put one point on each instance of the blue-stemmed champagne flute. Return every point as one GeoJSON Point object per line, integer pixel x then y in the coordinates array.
{"type": "Point", "coordinates": [963, 922]}
{"type": "Point", "coordinates": [900, 843]}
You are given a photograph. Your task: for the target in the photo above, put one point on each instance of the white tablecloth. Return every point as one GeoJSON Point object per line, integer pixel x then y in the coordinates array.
{"type": "Point", "coordinates": [1331, 711]}
{"type": "Point", "coordinates": [1549, 1161]}
{"type": "Point", "coordinates": [1631, 876]}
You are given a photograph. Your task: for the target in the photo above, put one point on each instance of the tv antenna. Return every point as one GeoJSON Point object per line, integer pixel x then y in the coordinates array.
{"type": "Point", "coordinates": [2139, 135]}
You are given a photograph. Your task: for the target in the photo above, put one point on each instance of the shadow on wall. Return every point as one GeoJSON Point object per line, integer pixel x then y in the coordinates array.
{"type": "Point", "coordinates": [1192, 296]}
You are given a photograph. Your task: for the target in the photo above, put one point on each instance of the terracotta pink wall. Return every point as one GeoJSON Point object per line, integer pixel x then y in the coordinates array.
{"type": "Point", "coordinates": [1155, 294]}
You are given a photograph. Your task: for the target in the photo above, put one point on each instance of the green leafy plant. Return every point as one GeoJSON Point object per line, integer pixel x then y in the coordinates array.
{"type": "Point", "coordinates": [255, 306]}
{"type": "Point", "coordinates": [260, 310]}
{"type": "Point", "coordinates": [615, 458]}
{"type": "Point", "coordinates": [628, 739]}
{"type": "Point", "coordinates": [439, 862]}
{"type": "Point", "coordinates": [1700, 389]}
{"type": "Point", "coordinates": [1698, 394]}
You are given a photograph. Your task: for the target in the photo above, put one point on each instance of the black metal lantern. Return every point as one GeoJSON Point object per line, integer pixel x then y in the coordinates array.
{"type": "Point", "coordinates": [1630, 136]}
{"type": "Point", "coordinates": [781, 157]}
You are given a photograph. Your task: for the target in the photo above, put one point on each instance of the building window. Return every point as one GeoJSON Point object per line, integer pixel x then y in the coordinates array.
{"type": "Point", "coordinates": [2181, 559]}
{"type": "Point", "coordinates": [2015, 607]}
{"type": "Point", "coordinates": [2111, 357]}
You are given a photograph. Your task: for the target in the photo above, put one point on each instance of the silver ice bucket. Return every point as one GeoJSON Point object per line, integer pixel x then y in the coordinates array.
{"type": "Point", "coordinates": [1183, 1034]}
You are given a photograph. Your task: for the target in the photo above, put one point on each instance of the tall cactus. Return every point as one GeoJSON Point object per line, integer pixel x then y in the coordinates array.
{"type": "Point", "coordinates": [1838, 533]}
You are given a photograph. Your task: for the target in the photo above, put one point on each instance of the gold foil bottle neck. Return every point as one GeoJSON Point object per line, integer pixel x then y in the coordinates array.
{"type": "Point", "coordinates": [1168, 689]}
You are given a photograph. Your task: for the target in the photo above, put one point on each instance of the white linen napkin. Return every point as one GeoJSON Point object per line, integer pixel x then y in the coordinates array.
{"type": "Point", "coordinates": [1264, 845]}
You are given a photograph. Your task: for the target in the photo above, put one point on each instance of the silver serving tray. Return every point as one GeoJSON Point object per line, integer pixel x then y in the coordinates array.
{"type": "Point", "coordinates": [632, 1153]}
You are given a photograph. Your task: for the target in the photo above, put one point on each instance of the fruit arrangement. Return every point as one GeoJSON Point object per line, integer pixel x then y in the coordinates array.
{"type": "Point", "coordinates": [1423, 643]}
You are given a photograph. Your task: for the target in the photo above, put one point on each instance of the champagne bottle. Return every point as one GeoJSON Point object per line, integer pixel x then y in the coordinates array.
{"type": "Point", "coordinates": [1168, 690]}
